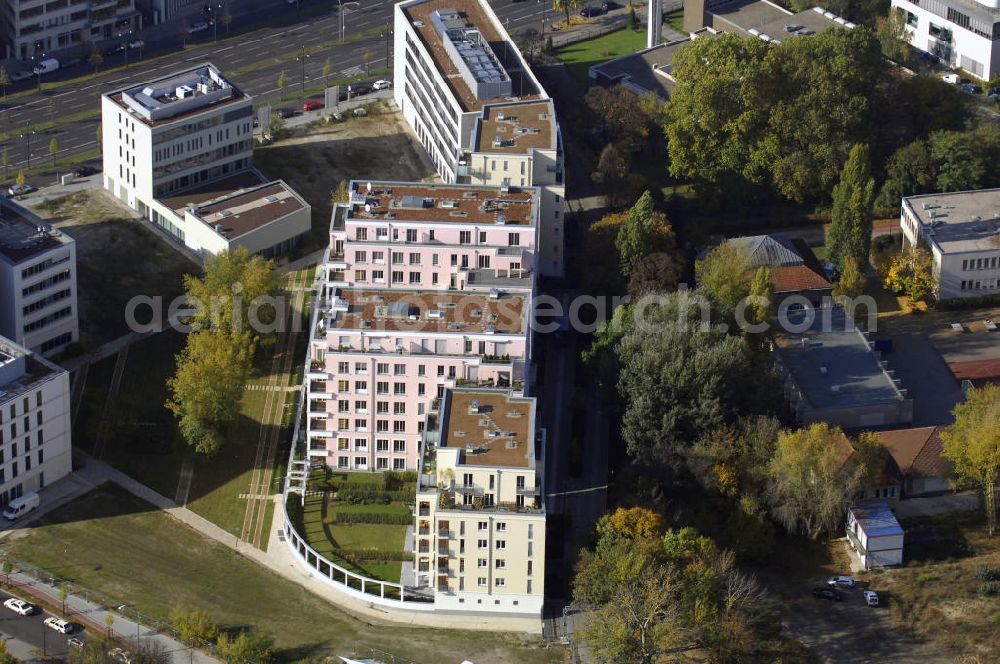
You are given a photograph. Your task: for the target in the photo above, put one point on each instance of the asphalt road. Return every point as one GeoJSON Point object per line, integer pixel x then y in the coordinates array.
{"type": "Point", "coordinates": [270, 47]}
{"type": "Point", "coordinates": [31, 630]}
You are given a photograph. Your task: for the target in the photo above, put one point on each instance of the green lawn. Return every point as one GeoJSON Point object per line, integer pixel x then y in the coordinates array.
{"type": "Point", "coordinates": [121, 550]}
{"type": "Point", "coordinates": [329, 537]}
{"type": "Point", "coordinates": [579, 57]}
{"type": "Point", "coordinates": [675, 20]}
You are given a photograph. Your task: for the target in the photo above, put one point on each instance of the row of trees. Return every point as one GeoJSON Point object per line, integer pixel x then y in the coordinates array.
{"type": "Point", "coordinates": [197, 629]}
{"type": "Point", "coordinates": [212, 370]}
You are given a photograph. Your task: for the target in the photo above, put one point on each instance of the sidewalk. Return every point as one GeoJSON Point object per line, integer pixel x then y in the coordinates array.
{"type": "Point", "coordinates": [91, 616]}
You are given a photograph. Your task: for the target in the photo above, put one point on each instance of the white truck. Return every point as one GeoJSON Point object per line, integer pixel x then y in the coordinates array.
{"type": "Point", "coordinates": [46, 66]}
{"type": "Point", "coordinates": [21, 506]}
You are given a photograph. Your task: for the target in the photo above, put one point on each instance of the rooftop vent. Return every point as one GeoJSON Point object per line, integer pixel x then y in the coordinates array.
{"type": "Point", "coordinates": [435, 314]}
{"type": "Point", "coordinates": [447, 204]}
{"type": "Point", "coordinates": [474, 406]}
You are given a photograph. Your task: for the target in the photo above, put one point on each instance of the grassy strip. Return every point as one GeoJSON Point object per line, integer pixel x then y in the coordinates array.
{"type": "Point", "coordinates": [319, 48]}
{"type": "Point", "coordinates": [313, 91]}
{"type": "Point", "coordinates": [40, 127]}
{"type": "Point", "coordinates": [126, 552]}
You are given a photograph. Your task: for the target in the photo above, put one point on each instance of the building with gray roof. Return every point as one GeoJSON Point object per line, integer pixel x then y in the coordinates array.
{"type": "Point", "coordinates": [832, 374]}
{"type": "Point", "coordinates": [962, 232]}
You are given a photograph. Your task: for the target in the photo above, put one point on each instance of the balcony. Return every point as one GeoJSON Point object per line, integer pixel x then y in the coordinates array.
{"type": "Point", "coordinates": [444, 551]}
{"type": "Point", "coordinates": [471, 490]}
{"type": "Point", "coordinates": [500, 279]}
{"type": "Point", "coordinates": [529, 491]}
{"type": "Point", "coordinates": [446, 534]}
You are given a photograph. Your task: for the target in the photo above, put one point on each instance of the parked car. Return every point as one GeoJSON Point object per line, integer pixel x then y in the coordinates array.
{"type": "Point", "coordinates": [74, 642]}
{"type": "Point", "coordinates": [59, 625]}
{"type": "Point", "coordinates": [827, 593]}
{"type": "Point", "coordinates": [842, 581]}
{"type": "Point", "coordinates": [19, 606]}
{"type": "Point", "coordinates": [609, 5]}
{"type": "Point", "coordinates": [381, 84]}
{"type": "Point", "coordinates": [871, 598]}
{"type": "Point", "coordinates": [46, 66]}
{"type": "Point", "coordinates": [591, 12]}
{"type": "Point", "coordinates": [954, 79]}
{"type": "Point", "coordinates": [18, 190]}
{"type": "Point", "coordinates": [358, 89]}
{"type": "Point", "coordinates": [84, 171]}
{"type": "Point", "coordinates": [197, 26]}
{"type": "Point", "coordinates": [312, 105]}
{"type": "Point", "coordinates": [285, 113]}
{"type": "Point", "coordinates": [136, 43]}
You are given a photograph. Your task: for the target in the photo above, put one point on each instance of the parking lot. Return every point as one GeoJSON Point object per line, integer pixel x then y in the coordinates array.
{"type": "Point", "coordinates": [28, 636]}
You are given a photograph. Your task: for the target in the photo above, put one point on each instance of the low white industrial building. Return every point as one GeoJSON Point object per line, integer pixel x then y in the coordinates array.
{"type": "Point", "coordinates": [962, 232]}
{"type": "Point", "coordinates": [961, 33]}
{"type": "Point", "coordinates": [179, 151]}
{"type": "Point", "coordinates": [875, 535]}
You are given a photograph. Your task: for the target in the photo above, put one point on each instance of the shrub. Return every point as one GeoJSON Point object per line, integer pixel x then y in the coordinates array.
{"type": "Point", "coordinates": [362, 495]}
{"type": "Point", "coordinates": [373, 555]}
{"type": "Point", "coordinates": [401, 519]}
{"type": "Point", "coordinates": [989, 588]}
{"type": "Point", "coordinates": [986, 573]}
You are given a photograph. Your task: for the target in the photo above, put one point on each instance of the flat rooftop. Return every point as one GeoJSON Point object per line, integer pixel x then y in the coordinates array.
{"type": "Point", "coordinates": [246, 210]}
{"type": "Point", "coordinates": [429, 311]}
{"type": "Point", "coordinates": [24, 234]}
{"type": "Point", "coordinates": [832, 362]}
{"type": "Point", "coordinates": [961, 221]}
{"type": "Point", "coordinates": [492, 427]}
{"type": "Point", "coordinates": [20, 368]}
{"type": "Point", "coordinates": [516, 128]}
{"type": "Point", "coordinates": [876, 519]}
{"type": "Point", "coordinates": [471, 12]}
{"type": "Point", "coordinates": [214, 190]}
{"type": "Point", "coordinates": [804, 23]}
{"type": "Point", "coordinates": [648, 68]}
{"type": "Point", "coordinates": [178, 95]}
{"type": "Point", "coordinates": [461, 204]}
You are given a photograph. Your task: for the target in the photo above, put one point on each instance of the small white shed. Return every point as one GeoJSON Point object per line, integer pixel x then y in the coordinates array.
{"type": "Point", "coordinates": [875, 535]}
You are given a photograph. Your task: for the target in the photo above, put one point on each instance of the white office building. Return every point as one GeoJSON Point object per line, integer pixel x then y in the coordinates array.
{"type": "Point", "coordinates": [34, 422]}
{"type": "Point", "coordinates": [962, 232]}
{"type": "Point", "coordinates": [35, 28]}
{"type": "Point", "coordinates": [38, 308]}
{"type": "Point", "coordinates": [179, 151]}
{"type": "Point", "coordinates": [477, 108]}
{"type": "Point", "coordinates": [962, 33]}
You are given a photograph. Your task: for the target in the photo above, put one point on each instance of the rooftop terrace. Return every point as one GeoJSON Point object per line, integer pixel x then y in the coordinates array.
{"type": "Point", "coordinates": [429, 311]}
{"type": "Point", "coordinates": [960, 221]}
{"type": "Point", "coordinates": [245, 210]}
{"type": "Point", "coordinates": [20, 368]}
{"type": "Point", "coordinates": [516, 128]}
{"type": "Point", "coordinates": [832, 362]}
{"type": "Point", "coordinates": [23, 234]}
{"type": "Point", "coordinates": [179, 94]}
{"type": "Point", "coordinates": [491, 427]}
{"type": "Point", "coordinates": [443, 203]}
{"type": "Point", "coordinates": [471, 13]}
{"type": "Point", "coordinates": [213, 190]}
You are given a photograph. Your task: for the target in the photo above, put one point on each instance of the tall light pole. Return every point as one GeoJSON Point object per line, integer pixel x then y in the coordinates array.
{"type": "Point", "coordinates": [215, 20]}
{"type": "Point", "coordinates": [302, 59]}
{"type": "Point", "coordinates": [26, 134]}
{"type": "Point", "coordinates": [388, 42]}
{"type": "Point", "coordinates": [124, 37]}
{"type": "Point", "coordinates": [340, 11]}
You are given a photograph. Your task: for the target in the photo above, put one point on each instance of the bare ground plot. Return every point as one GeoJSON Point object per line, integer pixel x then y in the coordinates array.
{"type": "Point", "coordinates": [117, 259]}
{"type": "Point", "coordinates": [315, 158]}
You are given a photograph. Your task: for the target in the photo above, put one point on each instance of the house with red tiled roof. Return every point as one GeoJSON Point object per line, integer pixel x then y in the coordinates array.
{"type": "Point", "coordinates": [795, 270]}
{"type": "Point", "coordinates": [887, 486]}
{"type": "Point", "coordinates": [918, 454]}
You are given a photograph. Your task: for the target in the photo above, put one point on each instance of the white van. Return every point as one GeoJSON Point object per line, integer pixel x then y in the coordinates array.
{"type": "Point", "coordinates": [21, 506]}
{"type": "Point", "coordinates": [46, 66]}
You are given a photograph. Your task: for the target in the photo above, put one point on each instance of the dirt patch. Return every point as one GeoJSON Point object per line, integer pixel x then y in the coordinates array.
{"type": "Point", "coordinates": [314, 159]}
{"type": "Point", "coordinates": [117, 259]}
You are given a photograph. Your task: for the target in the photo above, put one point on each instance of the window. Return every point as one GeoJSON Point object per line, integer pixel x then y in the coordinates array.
{"type": "Point", "coordinates": [398, 426]}
{"type": "Point", "coordinates": [381, 233]}
{"type": "Point", "coordinates": [464, 237]}
{"type": "Point", "coordinates": [414, 259]}
{"type": "Point", "coordinates": [399, 408]}
{"type": "Point", "coordinates": [484, 525]}
{"type": "Point", "coordinates": [482, 581]}
{"type": "Point", "coordinates": [361, 275]}
{"type": "Point", "coordinates": [397, 276]}
{"type": "Point", "coordinates": [378, 276]}
{"type": "Point", "coordinates": [361, 424]}
{"type": "Point", "coordinates": [399, 464]}
{"type": "Point", "coordinates": [344, 406]}
{"type": "Point", "coordinates": [361, 386]}
{"type": "Point", "coordinates": [499, 583]}
{"type": "Point", "coordinates": [382, 387]}
{"type": "Point", "coordinates": [434, 260]}
{"type": "Point", "coordinates": [414, 277]}
{"type": "Point", "coordinates": [360, 256]}
{"type": "Point", "coordinates": [381, 445]}
{"type": "Point", "coordinates": [361, 234]}
{"type": "Point", "coordinates": [411, 235]}
{"type": "Point", "coordinates": [513, 239]}
{"type": "Point", "coordinates": [382, 426]}
{"type": "Point", "coordinates": [482, 562]}
{"type": "Point", "coordinates": [378, 257]}
{"type": "Point", "coordinates": [482, 237]}
{"type": "Point", "coordinates": [397, 258]}
{"type": "Point", "coordinates": [501, 526]}
{"type": "Point", "coordinates": [399, 446]}
{"type": "Point", "coordinates": [381, 464]}
{"type": "Point", "coordinates": [501, 544]}
{"type": "Point", "coordinates": [500, 563]}
{"type": "Point", "coordinates": [399, 389]}
{"type": "Point", "coordinates": [484, 544]}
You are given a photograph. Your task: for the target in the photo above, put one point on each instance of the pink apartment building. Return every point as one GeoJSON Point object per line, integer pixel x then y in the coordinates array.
{"type": "Point", "coordinates": [427, 286]}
